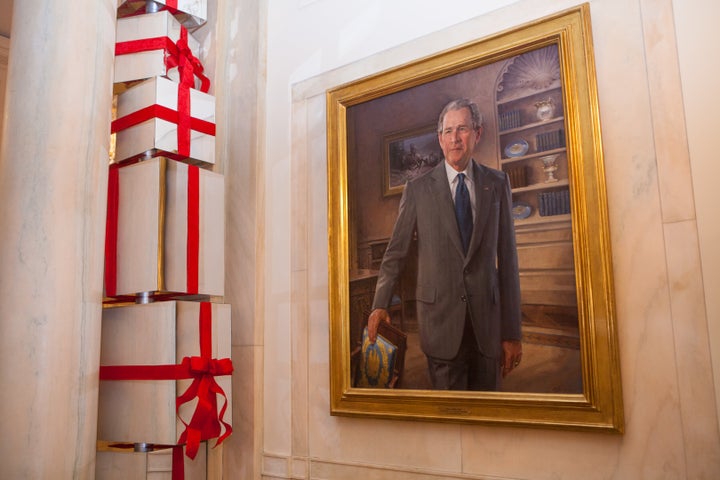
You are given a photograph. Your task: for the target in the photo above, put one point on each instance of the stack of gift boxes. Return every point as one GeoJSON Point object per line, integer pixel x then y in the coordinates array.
{"type": "Point", "coordinates": [165, 347]}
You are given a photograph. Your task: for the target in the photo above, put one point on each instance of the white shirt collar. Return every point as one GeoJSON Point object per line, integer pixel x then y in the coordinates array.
{"type": "Point", "coordinates": [452, 173]}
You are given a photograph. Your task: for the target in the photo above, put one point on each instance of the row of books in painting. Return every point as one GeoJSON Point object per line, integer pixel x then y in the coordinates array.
{"type": "Point", "coordinates": [510, 119]}
{"type": "Point", "coordinates": [549, 140]}
{"type": "Point", "coordinates": [163, 341]}
{"type": "Point", "coordinates": [554, 202]}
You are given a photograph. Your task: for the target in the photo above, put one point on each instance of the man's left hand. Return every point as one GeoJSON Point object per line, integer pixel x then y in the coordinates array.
{"type": "Point", "coordinates": [512, 355]}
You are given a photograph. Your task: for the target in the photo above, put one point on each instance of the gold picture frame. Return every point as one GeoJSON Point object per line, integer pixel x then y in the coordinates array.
{"type": "Point", "coordinates": [515, 134]}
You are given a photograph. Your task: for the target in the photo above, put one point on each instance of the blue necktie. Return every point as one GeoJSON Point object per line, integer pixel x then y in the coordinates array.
{"type": "Point", "coordinates": [463, 211]}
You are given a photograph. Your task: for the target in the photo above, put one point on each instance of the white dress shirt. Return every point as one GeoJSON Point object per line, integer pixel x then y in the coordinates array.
{"type": "Point", "coordinates": [452, 176]}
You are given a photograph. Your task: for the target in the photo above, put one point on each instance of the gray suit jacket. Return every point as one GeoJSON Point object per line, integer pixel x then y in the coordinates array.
{"type": "Point", "coordinates": [484, 282]}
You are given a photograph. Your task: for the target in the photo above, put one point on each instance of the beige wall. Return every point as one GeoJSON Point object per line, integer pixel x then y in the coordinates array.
{"type": "Point", "coordinates": [4, 52]}
{"type": "Point", "coordinates": [696, 27]}
{"type": "Point", "coordinates": [671, 416]}
{"type": "Point", "coordinates": [661, 165]}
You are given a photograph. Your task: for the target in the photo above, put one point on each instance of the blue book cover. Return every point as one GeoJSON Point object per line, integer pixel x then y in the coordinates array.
{"type": "Point", "coordinates": [377, 362]}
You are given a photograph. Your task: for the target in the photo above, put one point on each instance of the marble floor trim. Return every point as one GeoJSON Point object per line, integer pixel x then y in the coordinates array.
{"type": "Point", "coordinates": [277, 467]}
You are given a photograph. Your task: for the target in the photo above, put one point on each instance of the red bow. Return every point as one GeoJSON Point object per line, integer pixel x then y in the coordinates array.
{"type": "Point", "coordinates": [206, 421]}
{"type": "Point", "coordinates": [179, 55]}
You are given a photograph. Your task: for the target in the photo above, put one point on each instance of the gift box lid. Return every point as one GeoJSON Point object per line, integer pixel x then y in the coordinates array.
{"type": "Point", "coordinates": [164, 92]}
{"type": "Point", "coordinates": [146, 46]}
{"type": "Point", "coordinates": [191, 13]}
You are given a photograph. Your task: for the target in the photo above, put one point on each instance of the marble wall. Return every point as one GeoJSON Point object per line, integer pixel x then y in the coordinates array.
{"type": "Point", "coordinates": [4, 53]}
{"type": "Point", "coordinates": [656, 107]}
{"type": "Point", "coordinates": [671, 417]}
{"type": "Point", "coordinates": [53, 186]}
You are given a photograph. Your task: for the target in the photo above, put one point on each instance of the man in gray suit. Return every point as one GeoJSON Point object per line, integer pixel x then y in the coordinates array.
{"type": "Point", "coordinates": [468, 291]}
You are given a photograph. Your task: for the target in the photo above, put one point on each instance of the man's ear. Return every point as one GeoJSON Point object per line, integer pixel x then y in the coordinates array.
{"type": "Point", "coordinates": [479, 134]}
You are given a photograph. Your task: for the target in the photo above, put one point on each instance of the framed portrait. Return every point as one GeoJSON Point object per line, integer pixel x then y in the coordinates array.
{"type": "Point", "coordinates": [536, 91]}
{"type": "Point", "coordinates": [409, 154]}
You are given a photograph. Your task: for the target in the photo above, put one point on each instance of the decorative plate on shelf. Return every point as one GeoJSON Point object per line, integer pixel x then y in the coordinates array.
{"type": "Point", "coordinates": [517, 148]}
{"type": "Point", "coordinates": [521, 210]}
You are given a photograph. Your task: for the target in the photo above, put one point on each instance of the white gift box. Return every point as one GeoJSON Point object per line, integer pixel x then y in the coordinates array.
{"type": "Point", "coordinates": [191, 13]}
{"type": "Point", "coordinates": [149, 123]}
{"type": "Point", "coordinates": [167, 232]}
{"type": "Point", "coordinates": [160, 334]}
{"type": "Point", "coordinates": [124, 464]}
{"type": "Point", "coordinates": [152, 39]}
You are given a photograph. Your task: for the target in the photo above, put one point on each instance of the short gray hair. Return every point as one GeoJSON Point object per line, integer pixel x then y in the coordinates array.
{"type": "Point", "coordinates": [459, 104]}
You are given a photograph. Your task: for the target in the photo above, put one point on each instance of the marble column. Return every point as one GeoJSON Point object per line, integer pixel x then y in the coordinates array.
{"type": "Point", "coordinates": [53, 184]}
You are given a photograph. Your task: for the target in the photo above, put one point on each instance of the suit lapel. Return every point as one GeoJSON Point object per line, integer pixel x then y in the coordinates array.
{"type": "Point", "coordinates": [483, 197]}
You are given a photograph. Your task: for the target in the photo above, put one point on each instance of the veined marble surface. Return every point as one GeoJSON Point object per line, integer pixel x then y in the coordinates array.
{"type": "Point", "coordinates": [671, 420]}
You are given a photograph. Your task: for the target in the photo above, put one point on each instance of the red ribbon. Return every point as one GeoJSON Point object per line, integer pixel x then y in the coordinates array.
{"type": "Point", "coordinates": [163, 113]}
{"type": "Point", "coordinates": [180, 117]}
{"type": "Point", "coordinates": [177, 55]}
{"type": "Point", "coordinates": [178, 464]}
{"type": "Point", "coordinates": [206, 421]}
{"type": "Point", "coordinates": [111, 230]}
{"type": "Point", "coordinates": [193, 230]}
{"type": "Point", "coordinates": [189, 65]}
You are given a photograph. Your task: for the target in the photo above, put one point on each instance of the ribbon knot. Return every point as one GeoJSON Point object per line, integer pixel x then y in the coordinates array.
{"type": "Point", "coordinates": [177, 54]}
{"type": "Point", "coordinates": [207, 421]}
{"type": "Point", "coordinates": [189, 66]}
{"type": "Point", "coordinates": [199, 366]}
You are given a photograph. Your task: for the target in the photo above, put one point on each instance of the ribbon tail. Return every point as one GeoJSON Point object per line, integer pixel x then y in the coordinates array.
{"type": "Point", "coordinates": [221, 416]}
{"type": "Point", "coordinates": [193, 443]}
{"type": "Point", "coordinates": [178, 463]}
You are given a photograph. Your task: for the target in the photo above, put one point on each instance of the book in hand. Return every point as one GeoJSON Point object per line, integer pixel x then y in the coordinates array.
{"type": "Point", "coordinates": [377, 362]}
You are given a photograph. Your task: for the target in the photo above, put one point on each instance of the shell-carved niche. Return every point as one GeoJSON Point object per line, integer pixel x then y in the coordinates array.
{"type": "Point", "coordinates": [529, 73]}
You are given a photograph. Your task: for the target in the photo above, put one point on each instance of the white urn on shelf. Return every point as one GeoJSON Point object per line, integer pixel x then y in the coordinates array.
{"type": "Point", "coordinates": [550, 167]}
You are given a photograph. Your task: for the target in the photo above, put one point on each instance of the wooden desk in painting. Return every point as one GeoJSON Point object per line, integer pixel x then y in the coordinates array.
{"type": "Point", "coordinates": [362, 291]}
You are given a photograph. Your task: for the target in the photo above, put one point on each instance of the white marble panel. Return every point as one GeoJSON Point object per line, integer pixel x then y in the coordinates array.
{"type": "Point", "coordinates": [696, 28]}
{"type": "Point", "coordinates": [694, 370]}
{"type": "Point", "coordinates": [348, 471]}
{"type": "Point", "coordinates": [53, 180]}
{"type": "Point", "coordinates": [242, 449]}
{"type": "Point", "coordinates": [299, 379]}
{"type": "Point", "coordinates": [424, 446]}
{"type": "Point", "coordinates": [653, 316]}
{"type": "Point", "coordinates": [668, 114]}
{"type": "Point", "coordinates": [300, 468]}
{"type": "Point", "coordinates": [301, 186]}
{"type": "Point", "coordinates": [275, 466]}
